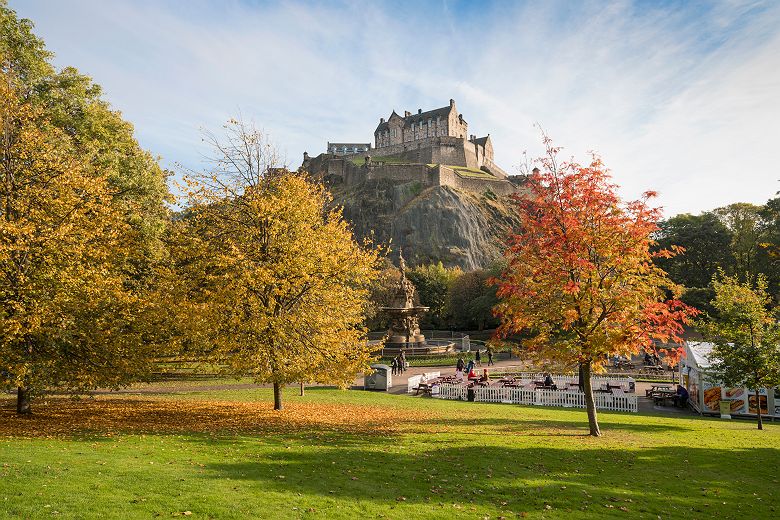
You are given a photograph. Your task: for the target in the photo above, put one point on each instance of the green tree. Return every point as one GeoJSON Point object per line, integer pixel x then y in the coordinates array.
{"type": "Point", "coordinates": [270, 283]}
{"type": "Point", "coordinates": [432, 282]}
{"type": "Point", "coordinates": [707, 243]}
{"type": "Point", "coordinates": [746, 335]}
{"type": "Point", "coordinates": [747, 233]}
{"type": "Point", "coordinates": [770, 247]}
{"type": "Point", "coordinates": [472, 298]}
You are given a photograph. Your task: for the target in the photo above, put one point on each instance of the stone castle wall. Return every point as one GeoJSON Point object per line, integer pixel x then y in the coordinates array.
{"type": "Point", "coordinates": [448, 177]}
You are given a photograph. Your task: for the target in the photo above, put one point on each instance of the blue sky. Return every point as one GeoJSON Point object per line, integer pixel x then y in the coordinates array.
{"type": "Point", "coordinates": [679, 97]}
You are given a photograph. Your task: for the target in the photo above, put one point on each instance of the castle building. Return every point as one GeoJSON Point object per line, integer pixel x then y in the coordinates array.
{"type": "Point", "coordinates": [416, 127]}
{"type": "Point", "coordinates": [435, 136]}
{"type": "Point", "coordinates": [433, 148]}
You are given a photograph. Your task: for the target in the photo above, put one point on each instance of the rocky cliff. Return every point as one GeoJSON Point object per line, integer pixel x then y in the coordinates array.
{"type": "Point", "coordinates": [431, 224]}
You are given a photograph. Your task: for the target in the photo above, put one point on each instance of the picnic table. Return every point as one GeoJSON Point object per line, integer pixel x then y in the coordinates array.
{"type": "Point", "coordinates": [653, 368]}
{"type": "Point", "coordinates": [425, 388]}
{"type": "Point", "coordinates": [657, 388]}
{"type": "Point", "coordinates": [662, 396]}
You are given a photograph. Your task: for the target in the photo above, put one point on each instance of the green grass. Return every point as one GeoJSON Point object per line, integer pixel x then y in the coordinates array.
{"type": "Point", "coordinates": [472, 173]}
{"type": "Point", "coordinates": [442, 459]}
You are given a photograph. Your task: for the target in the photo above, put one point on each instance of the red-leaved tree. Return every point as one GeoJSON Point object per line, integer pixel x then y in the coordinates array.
{"type": "Point", "coordinates": [580, 281]}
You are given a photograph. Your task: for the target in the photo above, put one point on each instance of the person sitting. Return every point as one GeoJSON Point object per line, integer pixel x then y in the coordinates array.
{"type": "Point", "coordinates": [485, 376]}
{"type": "Point", "coordinates": [681, 397]}
{"type": "Point", "coordinates": [472, 375]}
{"type": "Point", "coordinates": [549, 383]}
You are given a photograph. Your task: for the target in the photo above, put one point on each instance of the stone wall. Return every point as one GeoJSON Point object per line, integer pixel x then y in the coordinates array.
{"type": "Point", "coordinates": [448, 177]}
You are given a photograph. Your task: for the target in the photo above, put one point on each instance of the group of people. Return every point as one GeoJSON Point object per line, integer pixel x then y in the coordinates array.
{"type": "Point", "coordinates": [467, 369]}
{"type": "Point", "coordinates": [462, 366]}
{"type": "Point", "coordinates": [399, 364]}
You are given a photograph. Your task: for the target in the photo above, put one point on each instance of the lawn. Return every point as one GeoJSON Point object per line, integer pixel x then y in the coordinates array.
{"type": "Point", "coordinates": [351, 454]}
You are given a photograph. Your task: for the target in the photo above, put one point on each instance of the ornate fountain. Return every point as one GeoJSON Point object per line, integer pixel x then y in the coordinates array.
{"type": "Point", "coordinates": [404, 312]}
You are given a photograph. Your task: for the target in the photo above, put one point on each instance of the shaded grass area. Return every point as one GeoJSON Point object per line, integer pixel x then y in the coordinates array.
{"type": "Point", "coordinates": [350, 454]}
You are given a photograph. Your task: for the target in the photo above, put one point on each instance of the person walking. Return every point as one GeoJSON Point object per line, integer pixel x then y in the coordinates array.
{"type": "Point", "coordinates": [478, 358]}
{"type": "Point", "coordinates": [490, 356]}
{"type": "Point", "coordinates": [394, 366]}
{"type": "Point", "coordinates": [402, 358]}
{"type": "Point", "coordinates": [460, 365]}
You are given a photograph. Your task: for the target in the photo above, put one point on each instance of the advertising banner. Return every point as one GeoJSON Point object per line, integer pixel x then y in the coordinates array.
{"type": "Point", "coordinates": [738, 397]}
{"type": "Point", "coordinates": [752, 402]}
{"type": "Point", "coordinates": [712, 396]}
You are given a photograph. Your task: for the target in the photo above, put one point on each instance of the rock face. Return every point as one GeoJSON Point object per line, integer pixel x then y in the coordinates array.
{"type": "Point", "coordinates": [431, 224]}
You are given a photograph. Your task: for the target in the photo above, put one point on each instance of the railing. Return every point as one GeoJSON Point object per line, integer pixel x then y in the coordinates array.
{"type": "Point", "coordinates": [562, 398]}
{"type": "Point", "coordinates": [453, 392]}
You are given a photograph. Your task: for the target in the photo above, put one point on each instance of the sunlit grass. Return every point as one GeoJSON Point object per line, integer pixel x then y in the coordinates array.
{"type": "Point", "coordinates": [350, 454]}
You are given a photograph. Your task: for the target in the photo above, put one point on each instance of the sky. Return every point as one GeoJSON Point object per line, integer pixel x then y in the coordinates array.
{"type": "Point", "coordinates": [682, 98]}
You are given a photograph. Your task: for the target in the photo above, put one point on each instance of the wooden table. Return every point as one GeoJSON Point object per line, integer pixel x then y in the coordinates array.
{"type": "Point", "coordinates": [661, 396]}
{"type": "Point", "coordinates": [657, 388]}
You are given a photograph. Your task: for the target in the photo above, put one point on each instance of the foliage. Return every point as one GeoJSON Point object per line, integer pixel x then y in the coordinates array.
{"type": "Point", "coordinates": [270, 282]}
{"type": "Point", "coordinates": [746, 336]}
{"type": "Point", "coordinates": [383, 289]}
{"type": "Point", "coordinates": [225, 454]}
{"type": "Point", "coordinates": [744, 222]}
{"type": "Point", "coordinates": [83, 212]}
{"type": "Point", "coordinates": [580, 277]}
{"type": "Point", "coordinates": [707, 244]}
{"type": "Point", "coordinates": [72, 103]}
{"type": "Point", "coordinates": [432, 282]}
{"type": "Point", "coordinates": [472, 298]}
{"type": "Point", "coordinates": [66, 317]}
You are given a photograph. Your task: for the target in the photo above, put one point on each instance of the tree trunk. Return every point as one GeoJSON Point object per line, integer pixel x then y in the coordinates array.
{"type": "Point", "coordinates": [303, 388]}
{"type": "Point", "coordinates": [277, 396]}
{"type": "Point", "coordinates": [581, 379]}
{"type": "Point", "coordinates": [23, 400]}
{"type": "Point", "coordinates": [758, 409]}
{"type": "Point", "coordinates": [590, 401]}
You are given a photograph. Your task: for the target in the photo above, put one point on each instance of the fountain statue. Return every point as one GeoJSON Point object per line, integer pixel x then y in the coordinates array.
{"type": "Point", "coordinates": [404, 312]}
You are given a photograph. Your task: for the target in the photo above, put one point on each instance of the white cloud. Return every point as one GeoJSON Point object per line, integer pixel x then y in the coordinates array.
{"type": "Point", "coordinates": [680, 101]}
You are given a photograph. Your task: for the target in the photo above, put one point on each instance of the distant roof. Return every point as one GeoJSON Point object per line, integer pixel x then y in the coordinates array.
{"type": "Point", "coordinates": [701, 352]}
{"type": "Point", "coordinates": [482, 140]}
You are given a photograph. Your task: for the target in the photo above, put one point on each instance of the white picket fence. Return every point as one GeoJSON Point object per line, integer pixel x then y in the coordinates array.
{"type": "Point", "coordinates": [563, 398]}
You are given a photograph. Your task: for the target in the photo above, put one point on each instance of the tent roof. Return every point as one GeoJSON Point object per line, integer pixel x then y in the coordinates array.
{"type": "Point", "coordinates": [700, 352]}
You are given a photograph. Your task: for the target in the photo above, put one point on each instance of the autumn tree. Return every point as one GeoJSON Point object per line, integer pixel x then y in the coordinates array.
{"type": "Point", "coordinates": [581, 283]}
{"type": "Point", "coordinates": [746, 336]}
{"type": "Point", "coordinates": [271, 283]}
{"type": "Point", "coordinates": [66, 317]}
{"type": "Point", "coordinates": [73, 103]}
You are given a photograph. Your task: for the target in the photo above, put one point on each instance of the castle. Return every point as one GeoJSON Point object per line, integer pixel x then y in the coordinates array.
{"type": "Point", "coordinates": [428, 147]}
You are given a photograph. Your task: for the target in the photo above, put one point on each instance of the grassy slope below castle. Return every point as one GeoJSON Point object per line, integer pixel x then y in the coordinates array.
{"type": "Point", "coordinates": [332, 454]}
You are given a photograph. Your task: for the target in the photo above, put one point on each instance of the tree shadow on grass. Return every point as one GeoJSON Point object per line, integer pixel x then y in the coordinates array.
{"type": "Point", "coordinates": [670, 481]}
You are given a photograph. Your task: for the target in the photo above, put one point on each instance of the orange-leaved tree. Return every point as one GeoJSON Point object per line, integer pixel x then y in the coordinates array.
{"type": "Point", "coordinates": [581, 283]}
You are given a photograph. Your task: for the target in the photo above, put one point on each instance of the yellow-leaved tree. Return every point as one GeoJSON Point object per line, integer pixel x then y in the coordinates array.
{"type": "Point", "coordinates": [65, 313]}
{"type": "Point", "coordinates": [268, 279]}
